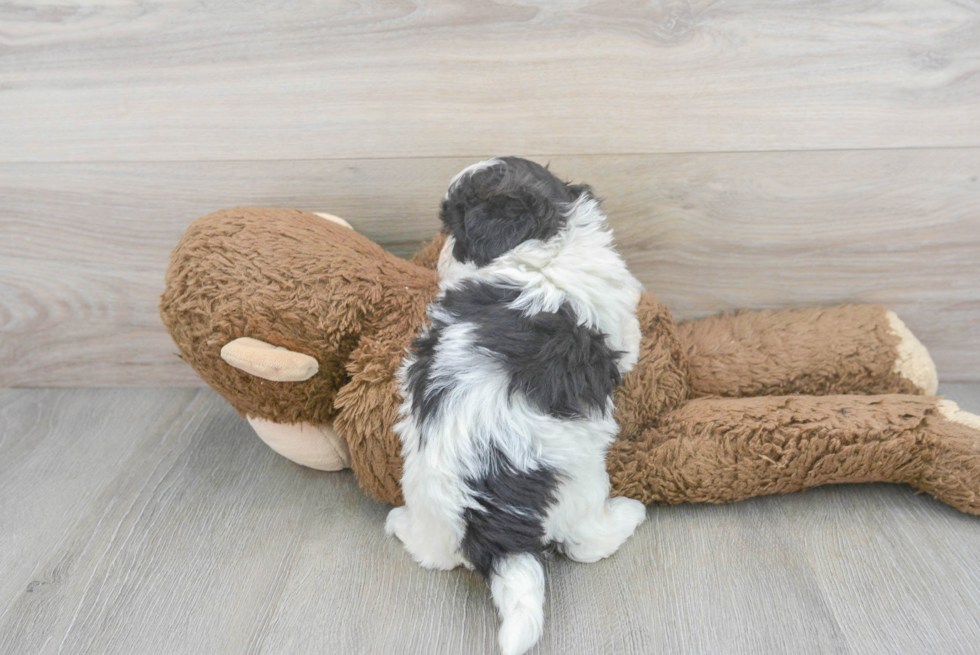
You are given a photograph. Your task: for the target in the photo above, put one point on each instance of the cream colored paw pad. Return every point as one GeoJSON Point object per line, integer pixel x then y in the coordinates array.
{"type": "Point", "coordinates": [913, 362]}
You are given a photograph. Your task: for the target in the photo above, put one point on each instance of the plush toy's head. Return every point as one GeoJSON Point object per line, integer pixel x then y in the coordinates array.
{"type": "Point", "coordinates": [225, 283]}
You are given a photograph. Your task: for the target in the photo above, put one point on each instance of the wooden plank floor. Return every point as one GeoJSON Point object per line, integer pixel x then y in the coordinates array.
{"type": "Point", "coordinates": [153, 521]}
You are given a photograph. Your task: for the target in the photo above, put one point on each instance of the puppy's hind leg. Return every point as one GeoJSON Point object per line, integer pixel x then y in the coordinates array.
{"type": "Point", "coordinates": [587, 524]}
{"type": "Point", "coordinates": [430, 543]}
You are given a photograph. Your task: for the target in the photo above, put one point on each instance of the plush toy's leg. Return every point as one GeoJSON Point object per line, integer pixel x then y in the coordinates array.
{"type": "Point", "coordinates": [316, 446]}
{"type": "Point", "coordinates": [718, 450]}
{"type": "Point", "coordinates": [823, 350]}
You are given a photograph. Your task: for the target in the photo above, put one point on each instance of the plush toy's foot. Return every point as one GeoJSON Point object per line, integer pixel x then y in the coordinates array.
{"type": "Point", "coordinates": [952, 412]}
{"type": "Point", "coordinates": [913, 361]}
{"type": "Point", "coordinates": [316, 446]}
{"type": "Point", "coordinates": [954, 476]}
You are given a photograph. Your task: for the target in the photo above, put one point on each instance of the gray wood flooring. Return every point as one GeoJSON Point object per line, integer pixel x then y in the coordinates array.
{"type": "Point", "coordinates": [153, 521]}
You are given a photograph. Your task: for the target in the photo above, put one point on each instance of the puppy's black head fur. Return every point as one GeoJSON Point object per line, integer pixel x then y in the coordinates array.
{"type": "Point", "coordinates": [498, 207]}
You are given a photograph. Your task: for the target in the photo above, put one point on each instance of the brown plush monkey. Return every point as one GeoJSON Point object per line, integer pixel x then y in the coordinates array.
{"type": "Point", "coordinates": [301, 324]}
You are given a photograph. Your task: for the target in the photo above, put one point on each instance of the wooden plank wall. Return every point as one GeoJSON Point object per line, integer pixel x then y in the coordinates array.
{"type": "Point", "coordinates": [752, 154]}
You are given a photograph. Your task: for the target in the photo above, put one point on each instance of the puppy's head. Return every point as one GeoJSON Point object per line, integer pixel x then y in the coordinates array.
{"type": "Point", "coordinates": [494, 206]}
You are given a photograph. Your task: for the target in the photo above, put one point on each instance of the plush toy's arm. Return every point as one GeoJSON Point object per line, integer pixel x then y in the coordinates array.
{"type": "Point", "coordinates": [818, 351]}
{"type": "Point", "coordinates": [719, 450]}
{"type": "Point", "coordinates": [428, 255]}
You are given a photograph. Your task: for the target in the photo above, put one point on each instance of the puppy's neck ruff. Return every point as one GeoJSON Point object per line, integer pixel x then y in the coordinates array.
{"type": "Point", "coordinates": [578, 266]}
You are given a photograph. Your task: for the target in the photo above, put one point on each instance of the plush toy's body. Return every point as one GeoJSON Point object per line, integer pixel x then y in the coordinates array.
{"type": "Point", "coordinates": [301, 324]}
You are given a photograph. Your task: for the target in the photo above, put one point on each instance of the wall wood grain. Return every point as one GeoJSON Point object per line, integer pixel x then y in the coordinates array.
{"type": "Point", "coordinates": [84, 245]}
{"type": "Point", "coordinates": [186, 80]}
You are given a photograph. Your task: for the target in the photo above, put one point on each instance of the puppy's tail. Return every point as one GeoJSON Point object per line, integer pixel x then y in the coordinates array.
{"type": "Point", "coordinates": [517, 586]}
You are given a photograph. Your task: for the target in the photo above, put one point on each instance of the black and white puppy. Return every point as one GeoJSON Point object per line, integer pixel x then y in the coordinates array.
{"type": "Point", "coordinates": [508, 395]}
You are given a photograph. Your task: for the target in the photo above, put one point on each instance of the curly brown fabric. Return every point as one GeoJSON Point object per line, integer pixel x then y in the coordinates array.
{"type": "Point", "coordinates": [817, 351]}
{"type": "Point", "coordinates": [718, 450]}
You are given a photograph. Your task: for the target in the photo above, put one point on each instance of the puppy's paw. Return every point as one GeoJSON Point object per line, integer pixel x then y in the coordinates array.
{"type": "Point", "coordinates": [628, 513]}
{"type": "Point", "coordinates": [431, 549]}
{"type": "Point", "coordinates": [617, 523]}
{"type": "Point", "coordinates": [396, 523]}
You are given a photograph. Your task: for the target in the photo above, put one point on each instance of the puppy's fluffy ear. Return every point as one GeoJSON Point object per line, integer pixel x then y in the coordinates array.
{"type": "Point", "coordinates": [579, 190]}
{"type": "Point", "coordinates": [488, 229]}
{"type": "Point", "coordinates": [495, 209]}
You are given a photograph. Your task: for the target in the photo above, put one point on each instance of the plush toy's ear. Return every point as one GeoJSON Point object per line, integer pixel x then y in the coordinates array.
{"type": "Point", "coordinates": [269, 362]}
{"type": "Point", "coordinates": [336, 219]}
{"type": "Point", "coordinates": [579, 190]}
